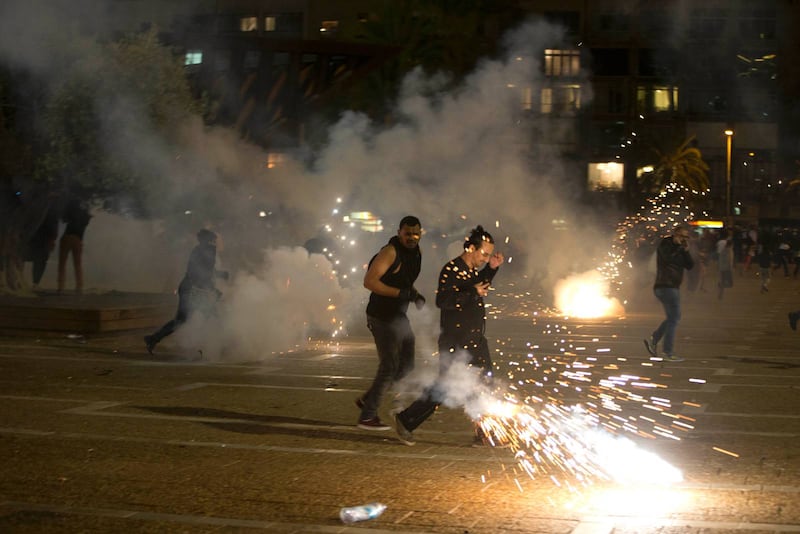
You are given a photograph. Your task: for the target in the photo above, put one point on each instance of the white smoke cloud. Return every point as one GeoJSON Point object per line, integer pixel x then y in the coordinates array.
{"type": "Point", "coordinates": [455, 159]}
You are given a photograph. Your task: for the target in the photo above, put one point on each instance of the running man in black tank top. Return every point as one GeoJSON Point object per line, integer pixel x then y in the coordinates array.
{"type": "Point", "coordinates": [390, 277]}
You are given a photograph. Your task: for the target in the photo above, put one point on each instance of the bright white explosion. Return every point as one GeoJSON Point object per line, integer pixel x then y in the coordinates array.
{"type": "Point", "coordinates": [586, 296]}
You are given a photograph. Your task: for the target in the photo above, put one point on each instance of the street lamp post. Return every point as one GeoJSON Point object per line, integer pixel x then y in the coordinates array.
{"type": "Point", "coordinates": [728, 138]}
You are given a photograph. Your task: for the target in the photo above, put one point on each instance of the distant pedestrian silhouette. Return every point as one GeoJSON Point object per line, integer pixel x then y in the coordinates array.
{"type": "Point", "coordinates": [76, 216]}
{"type": "Point", "coordinates": [196, 291]}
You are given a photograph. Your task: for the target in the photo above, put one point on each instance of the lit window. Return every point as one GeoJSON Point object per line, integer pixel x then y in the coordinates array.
{"type": "Point", "coordinates": [329, 27]}
{"type": "Point", "coordinates": [657, 98]}
{"type": "Point", "coordinates": [527, 99]}
{"type": "Point", "coordinates": [269, 24]}
{"type": "Point", "coordinates": [562, 99]}
{"type": "Point", "coordinates": [661, 99]}
{"type": "Point", "coordinates": [547, 101]}
{"type": "Point", "coordinates": [607, 176]}
{"type": "Point", "coordinates": [248, 24]}
{"type": "Point", "coordinates": [562, 62]}
{"type": "Point", "coordinates": [193, 57]}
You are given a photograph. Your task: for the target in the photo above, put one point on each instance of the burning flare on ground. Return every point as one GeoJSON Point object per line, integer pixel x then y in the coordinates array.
{"type": "Point", "coordinates": [573, 421]}
{"type": "Point", "coordinates": [568, 446]}
{"type": "Point", "coordinates": [586, 296]}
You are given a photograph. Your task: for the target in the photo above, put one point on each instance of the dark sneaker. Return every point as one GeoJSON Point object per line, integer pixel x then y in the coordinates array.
{"type": "Point", "coordinates": [360, 403]}
{"type": "Point", "coordinates": [149, 343]}
{"type": "Point", "coordinates": [403, 434]}
{"type": "Point", "coordinates": [793, 317]}
{"type": "Point", "coordinates": [672, 358]}
{"type": "Point", "coordinates": [651, 347]}
{"type": "Point", "coordinates": [372, 424]}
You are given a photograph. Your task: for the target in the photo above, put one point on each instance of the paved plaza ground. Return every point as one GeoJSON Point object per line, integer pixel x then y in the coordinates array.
{"type": "Point", "coordinates": [97, 435]}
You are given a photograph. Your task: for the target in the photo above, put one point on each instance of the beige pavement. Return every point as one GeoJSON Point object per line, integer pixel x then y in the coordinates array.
{"type": "Point", "coordinates": [98, 436]}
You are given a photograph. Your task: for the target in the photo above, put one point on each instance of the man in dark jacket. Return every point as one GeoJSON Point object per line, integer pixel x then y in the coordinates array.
{"type": "Point", "coordinates": [390, 278]}
{"type": "Point", "coordinates": [672, 257]}
{"type": "Point", "coordinates": [196, 291]}
{"type": "Point", "coordinates": [463, 283]}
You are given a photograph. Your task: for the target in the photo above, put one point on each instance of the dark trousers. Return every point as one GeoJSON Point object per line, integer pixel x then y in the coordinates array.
{"type": "Point", "coordinates": [395, 343]}
{"type": "Point", "coordinates": [422, 408]}
{"type": "Point", "coordinates": [189, 302]}
{"type": "Point", "coordinates": [671, 301]}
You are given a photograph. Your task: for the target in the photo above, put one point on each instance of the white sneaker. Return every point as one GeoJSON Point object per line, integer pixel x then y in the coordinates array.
{"type": "Point", "coordinates": [651, 347]}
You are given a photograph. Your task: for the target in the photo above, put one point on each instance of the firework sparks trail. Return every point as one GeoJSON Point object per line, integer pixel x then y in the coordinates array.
{"type": "Point", "coordinates": [573, 429]}
{"type": "Point", "coordinates": [590, 295]}
{"type": "Point", "coordinates": [640, 232]}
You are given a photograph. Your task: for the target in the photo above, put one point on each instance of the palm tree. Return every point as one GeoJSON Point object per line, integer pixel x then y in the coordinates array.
{"type": "Point", "coordinates": [682, 165]}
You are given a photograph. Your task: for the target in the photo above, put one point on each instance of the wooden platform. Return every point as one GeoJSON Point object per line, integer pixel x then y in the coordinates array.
{"type": "Point", "coordinates": [94, 313]}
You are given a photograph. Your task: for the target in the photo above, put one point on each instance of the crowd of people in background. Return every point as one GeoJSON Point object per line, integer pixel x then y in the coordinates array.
{"type": "Point", "coordinates": [749, 252]}
{"type": "Point", "coordinates": [751, 249]}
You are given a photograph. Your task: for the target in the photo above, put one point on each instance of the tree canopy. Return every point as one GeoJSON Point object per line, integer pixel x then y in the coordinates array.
{"type": "Point", "coordinates": [122, 93]}
{"type": "Point", "coordinates": [681, 164]}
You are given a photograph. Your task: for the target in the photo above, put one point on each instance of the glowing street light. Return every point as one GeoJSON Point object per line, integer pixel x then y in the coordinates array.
{"type": "Point", "coordinates": [728, 138]}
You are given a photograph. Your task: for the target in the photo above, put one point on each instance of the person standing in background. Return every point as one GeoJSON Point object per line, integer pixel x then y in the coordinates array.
{"type": "Point", "coordinates": [43, 242]}
{"type": "Point", "coordinates": [76, 217]}
{"type": "Point", "coordinates": [725, 255]}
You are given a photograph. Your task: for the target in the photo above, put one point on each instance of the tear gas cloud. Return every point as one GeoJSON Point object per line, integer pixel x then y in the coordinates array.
{"type": "Point", "coordinates": [455, 158]}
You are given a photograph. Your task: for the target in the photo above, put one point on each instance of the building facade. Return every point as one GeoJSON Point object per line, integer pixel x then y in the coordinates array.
{"type": "Point", "coordinates": [666, 70]}
{"type": "Point", "coordinates": [627, 75]}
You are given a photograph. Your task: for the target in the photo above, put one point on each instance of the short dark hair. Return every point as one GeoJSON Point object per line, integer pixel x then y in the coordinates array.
{"type": "Point", "coordinates": [409, 220]}
{"type": "Point", "coordinates": [477, 236]}
{"type": "Point", "coordinates": [206, 236]}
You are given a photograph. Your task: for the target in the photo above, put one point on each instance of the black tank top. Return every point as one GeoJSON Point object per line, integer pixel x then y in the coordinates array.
{"type": "Point", "coordinates": [409, 262]}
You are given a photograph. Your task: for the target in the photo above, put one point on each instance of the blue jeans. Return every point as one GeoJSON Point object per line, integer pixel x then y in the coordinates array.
{"type": "Point", "coordinates": [395, 342]}
{"type": "Point", "coordinates": [670, 298]}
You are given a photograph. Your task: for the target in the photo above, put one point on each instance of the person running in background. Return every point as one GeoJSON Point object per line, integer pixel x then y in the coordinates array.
{"type": "Point", "coordinates": [672, 257]}
{"type": "Point", "coordinates": [764, 261]}
{"type": "Point", "coordinates": [197, 291]}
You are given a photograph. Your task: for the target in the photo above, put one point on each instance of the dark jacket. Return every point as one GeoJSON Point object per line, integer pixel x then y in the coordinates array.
{"type": "Point", "coordinates": [76, 217]}
{"type": "Point", "coordinates": [463, 317]}
{"type": "Point", "coordinates": [407, 263]}
{"type": "Point", "coordinates": [764, 258]}
{"type": "Point", "coordinates": [671, 260]}
{"type": "Point", "coordinates": [200, 272]}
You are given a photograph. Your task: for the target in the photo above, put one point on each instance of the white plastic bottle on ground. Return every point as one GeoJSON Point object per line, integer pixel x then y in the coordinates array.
{"type": "Point", "coordinates": [352, 514]}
